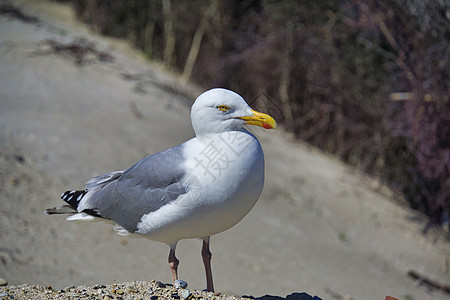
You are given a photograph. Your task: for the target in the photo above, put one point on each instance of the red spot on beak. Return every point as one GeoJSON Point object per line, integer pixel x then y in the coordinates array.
{"type": "Point", "coordinates": [267, 126]}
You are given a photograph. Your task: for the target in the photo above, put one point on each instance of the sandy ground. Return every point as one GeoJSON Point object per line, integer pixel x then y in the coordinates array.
{"type": "Point", "coordinates": [320, 227]}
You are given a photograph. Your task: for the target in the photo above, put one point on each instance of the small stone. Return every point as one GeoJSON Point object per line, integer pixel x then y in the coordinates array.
{"type": "Point", "coordinates": [19, 158]}
{"type": "Point", "coordinates": [154, 297]}
{"type": "Point", "coordinates": [120, 292]}
{"type": "Point", "coordinates": [3, 282]}
{"type": "Point", "coordinates": [98, 286]}
{"type": "Point", "coordinates": [132, 289]}
{"type": "Point", "coordinates": [107, 297]}
{"type": "Point", "coordinates": [217, 293]}
{"type": "Point", "coordinates": [180, 284]}
{"type": "Point", "coordinates": [160, 284]}
{"type": "Point", "coordinates": [186, 294]}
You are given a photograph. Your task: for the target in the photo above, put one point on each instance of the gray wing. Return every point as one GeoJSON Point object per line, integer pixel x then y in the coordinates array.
{"type": "Point", "coordinates": [125, 196]}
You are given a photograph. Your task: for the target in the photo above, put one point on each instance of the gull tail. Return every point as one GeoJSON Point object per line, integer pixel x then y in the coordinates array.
{"type": "Point", "coordinates": [73, 198]}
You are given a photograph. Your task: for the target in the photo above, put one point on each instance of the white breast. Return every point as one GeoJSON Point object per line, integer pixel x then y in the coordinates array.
{"type": "Point", "coordinates": [226, 175]}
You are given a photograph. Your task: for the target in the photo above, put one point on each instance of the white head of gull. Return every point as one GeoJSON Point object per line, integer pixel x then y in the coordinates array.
{"type": "Point", "coordinates": [194, 190]}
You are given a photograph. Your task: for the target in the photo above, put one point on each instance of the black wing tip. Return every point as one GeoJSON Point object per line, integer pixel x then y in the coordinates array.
{"type": "Point", "coordinates": [73, 198]}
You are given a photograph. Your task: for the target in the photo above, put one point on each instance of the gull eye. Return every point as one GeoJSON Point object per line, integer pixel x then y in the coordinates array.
{"type": "Point", "coordinates": [223, 108]}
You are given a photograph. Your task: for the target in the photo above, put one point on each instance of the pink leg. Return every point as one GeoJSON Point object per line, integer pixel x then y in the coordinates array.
{"type": "Point", "coordinates": [206, 255]}
{"type": "Point", "coordinates": [173, 263]}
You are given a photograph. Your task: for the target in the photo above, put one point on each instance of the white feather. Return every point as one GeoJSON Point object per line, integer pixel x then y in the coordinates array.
{"type": "Point", "coordinates": [81, 217]}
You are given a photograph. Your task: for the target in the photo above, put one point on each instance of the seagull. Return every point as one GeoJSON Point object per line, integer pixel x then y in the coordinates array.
{"type": "Point", "coordinates": [194, 190]}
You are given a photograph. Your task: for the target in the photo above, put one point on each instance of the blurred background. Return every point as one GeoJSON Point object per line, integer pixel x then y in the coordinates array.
{"type": "Point", "coordinates": [367, 81]}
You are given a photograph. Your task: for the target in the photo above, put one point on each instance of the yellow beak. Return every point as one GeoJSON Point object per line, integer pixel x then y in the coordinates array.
{"type": "Point", "coordinates": [260, 119]}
